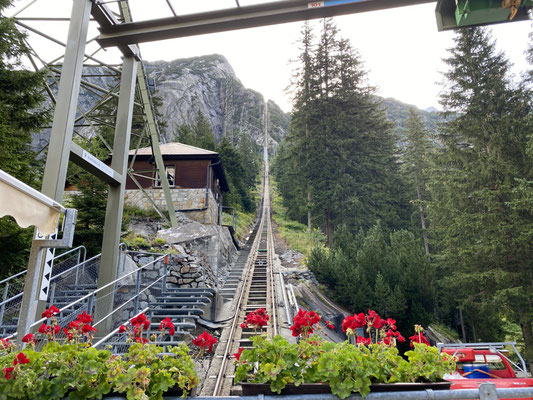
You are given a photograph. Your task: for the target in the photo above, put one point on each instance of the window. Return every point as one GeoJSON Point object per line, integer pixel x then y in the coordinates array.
{"type": "Point", "coordinates": [171, 176]}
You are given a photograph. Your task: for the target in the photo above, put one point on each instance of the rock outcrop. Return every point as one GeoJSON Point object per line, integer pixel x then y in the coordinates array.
{"type": "Point", "coordinates": [208, 84]}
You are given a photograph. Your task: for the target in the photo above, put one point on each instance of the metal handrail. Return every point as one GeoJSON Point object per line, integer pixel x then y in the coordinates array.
{"type": "Point", "coordinates": [55, 258]}
{"type": "Point", "coordinates": [114, 331]}
{"type": "Point", "coordinates": [13, 277]}
{"type": "Point", "coordinates": [74, 267]}
{"type": "Point", "coordinates": [94, 292]}
{"type": "Point", "coordinates": [492, 346]}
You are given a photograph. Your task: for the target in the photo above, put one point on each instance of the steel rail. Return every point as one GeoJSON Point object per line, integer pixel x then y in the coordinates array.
{"type": "Point", "coordinates": [263, 231]}
{"type": "Point", "coordinates": [231, 337]}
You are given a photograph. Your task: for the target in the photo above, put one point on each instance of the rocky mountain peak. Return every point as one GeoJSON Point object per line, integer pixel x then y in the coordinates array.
{"type": "Point", "coordinates": [208, 84]}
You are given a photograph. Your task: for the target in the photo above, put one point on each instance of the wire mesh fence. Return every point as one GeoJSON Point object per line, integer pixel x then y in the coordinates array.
{"type": "Point", "coordinates": [11, 289]}
{"type": "Point", "coordinates": [136, 287]}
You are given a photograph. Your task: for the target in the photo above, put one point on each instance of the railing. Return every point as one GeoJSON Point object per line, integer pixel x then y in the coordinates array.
{"type": "Point", "coordinates": [229, 218]}
{"type": "Point", "coordinates": [130, 293]}
{"type": "Point", "coordinates": [486, 391]}
{"type": "Point", "coordinates": [12, 287]}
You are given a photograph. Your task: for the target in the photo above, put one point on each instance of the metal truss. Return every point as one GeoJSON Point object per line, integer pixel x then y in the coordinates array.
{"type": "Point", "coordinates": [113, 94]}
{"type": "Point", "coordinates": [100, 82]}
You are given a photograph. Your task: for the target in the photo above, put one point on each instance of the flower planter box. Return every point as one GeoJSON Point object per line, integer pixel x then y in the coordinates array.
{"type": "Point", "coordinates": [253, 389]}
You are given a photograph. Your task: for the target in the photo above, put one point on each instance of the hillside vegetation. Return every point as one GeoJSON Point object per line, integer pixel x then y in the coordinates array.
{"type": "Point", "coordinates": [428, 218]}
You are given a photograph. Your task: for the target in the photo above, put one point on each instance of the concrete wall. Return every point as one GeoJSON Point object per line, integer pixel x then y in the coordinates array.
{"type": "Point", "coordinates": [183, 199]}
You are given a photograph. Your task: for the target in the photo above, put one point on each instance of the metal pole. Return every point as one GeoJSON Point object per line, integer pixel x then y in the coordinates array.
{"type": "Point", "coordinates": [137, 289]}
{"type": "Point", "coordinates": [153, 131]}
{"type": "Point", "coordinates": [59, 149]}
{"type": "Point", "coordinates": [4, 298]}
{"type": "Point", "coordinates": [115, 199]}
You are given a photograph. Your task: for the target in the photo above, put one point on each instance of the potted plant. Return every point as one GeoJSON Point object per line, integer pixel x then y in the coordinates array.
{"type": "Point", "coordinates": [357, 365]}
{"type": "Point", "coordinates": [72, 368]}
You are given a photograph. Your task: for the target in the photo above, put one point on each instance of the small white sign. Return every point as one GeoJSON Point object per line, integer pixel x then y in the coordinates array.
{"type": "Point", "coordinates": [315, 4]}
{"type": "Point", "coordinates": [97, 163]}
{"type": "Point", "coordinates": [47, 270]}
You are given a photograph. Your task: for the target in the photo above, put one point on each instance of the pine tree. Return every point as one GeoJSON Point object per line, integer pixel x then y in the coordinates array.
{"type": "Point", "coordinates": [484, 243]}
{"type": "Point", "coordinates": [382, 295]}
{"type": "Point", "coordinates": [342, 153]}
{"type": "Point", "coordinates": [91, 199]}
{"type": "Point", "coordinates": [184, 135]}
{"type": "Point", "coordinates": [234, 167]}
{"type": "Point", "coordinates": [203, 133]}
{"type": "Point", "coordinates": [20, 97]}
{"type": "Point", "coordinates": [416, 167]}
{"type": "Point", "coordinates": [299, 122]}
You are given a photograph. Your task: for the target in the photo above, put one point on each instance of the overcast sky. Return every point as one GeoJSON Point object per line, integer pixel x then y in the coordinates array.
{"type": "Point", "coordinates": [401, 48]}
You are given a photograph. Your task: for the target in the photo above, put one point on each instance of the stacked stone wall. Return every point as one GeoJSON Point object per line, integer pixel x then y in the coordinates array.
{"type": "Point", "coordinates": [183, 199]}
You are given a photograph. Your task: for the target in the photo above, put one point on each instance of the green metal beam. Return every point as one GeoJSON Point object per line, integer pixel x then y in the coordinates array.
{"type": "Point", "coordinates": [59, 150]}
{"type": "Point", "coordinates": [452, 14]}
{"type": "Point", "coordinates": [115, 198]}
{"type": "Point", "coordinates": [239, 18]}
{"type": "Point", "coordinates": [153, 131]}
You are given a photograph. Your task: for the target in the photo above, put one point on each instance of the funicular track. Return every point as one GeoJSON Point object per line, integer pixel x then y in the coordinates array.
{"type": "Point", "coordinates": [257, 291]}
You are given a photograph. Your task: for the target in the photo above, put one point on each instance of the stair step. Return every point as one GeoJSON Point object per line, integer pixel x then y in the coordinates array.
{"type": "Point", "coordinates": [183, 311]}
{"type": "Point", "coordinates": [178, 304]}
{"type": "Point", "coordinates": [191, 290]}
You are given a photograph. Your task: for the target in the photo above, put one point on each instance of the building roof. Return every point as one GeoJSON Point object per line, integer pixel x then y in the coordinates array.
{"type": "Point", "coordinates": [177, 149]}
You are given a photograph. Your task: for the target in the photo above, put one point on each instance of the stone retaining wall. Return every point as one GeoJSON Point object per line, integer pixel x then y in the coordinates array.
{"type": "Point", "coordinates": [183, 199]}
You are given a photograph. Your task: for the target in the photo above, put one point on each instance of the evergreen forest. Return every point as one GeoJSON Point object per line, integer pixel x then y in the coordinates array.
{"type": "Point", "coordinates": [430, 226]}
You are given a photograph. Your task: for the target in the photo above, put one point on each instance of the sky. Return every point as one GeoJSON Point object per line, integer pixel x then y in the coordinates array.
{"type": "Point", "coordinates": [401, 48]}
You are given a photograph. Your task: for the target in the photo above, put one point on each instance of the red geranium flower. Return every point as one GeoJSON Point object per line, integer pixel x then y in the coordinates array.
{"type": "Point", "coordinates": [374, 320]}
{"type": "Point", "coordinates": [364, 341]}
{"type": "Point", "coordinates": [353, 322]}
{"type": "Point", "coordinates": [5, 343]}
{"type": "Point", "coordinates": [84, 318]}
{"type": "Point", "coordinates": [75, 325]}
{"type": "Point", "coordinates": [88, 328]}
{"type": "Point", "coordinates": [68, 334]}
{"type": "Point", "coordinates": [53, 310]}
{"type": "Point", "coordinates": [418, 338]}
{"type": "Point", "coordinates": [141, 320]}
{"type": "Point", "coordinates": [141, 340]}
{"type": "Point", "coordinates": [29, 338]}
{"type": "Point", "coordinates": [205, 341]}
{"type": "Point", "coordinates": [21, 359]}
{"type": "Point", "coordinates": [303, 323]}
{"type": "Point", "coordinates": [167, 324]}
{"type": "Point", "coordinates": [237, 355]}
{"type": "Point", "coordinates": [330, 325]}
{"type": "Point", "coordinates": [44, 329]}
{"type": "Point", "coordinates": [387, 340]}
{"type": "Point", "coordinates": [257, 318]}
{"type": "Point", "coordinates": [7, 372]}
{"type": "Point", "coordinates": [122, 329]}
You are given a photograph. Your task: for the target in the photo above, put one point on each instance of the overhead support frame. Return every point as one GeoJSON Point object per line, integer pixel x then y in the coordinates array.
{"type": "Point", "coordinates": [237, 18]}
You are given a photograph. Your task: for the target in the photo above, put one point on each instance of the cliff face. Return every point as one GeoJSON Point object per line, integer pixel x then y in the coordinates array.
{"type": "Point", "coordinates": [208, 84]}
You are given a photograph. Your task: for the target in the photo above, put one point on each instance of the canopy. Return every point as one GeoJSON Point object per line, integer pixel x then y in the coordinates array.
{"type": "Point", "coordinates": [27, 205]}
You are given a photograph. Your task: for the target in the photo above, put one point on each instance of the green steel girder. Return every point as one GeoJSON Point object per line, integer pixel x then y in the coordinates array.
{"type": "Point", "coordinates": [455, 14]}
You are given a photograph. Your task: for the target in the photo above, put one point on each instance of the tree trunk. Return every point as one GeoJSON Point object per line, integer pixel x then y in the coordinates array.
{"type": "Point", "coordinates": [474, 331]}
{"type": "Point", "coordinates": [527, 332]}
{"type": "Point", "coordinates": [462, 325]}
{"type": "Point", "coordinates": [422, 218]}
{"type": "Point", "coordinates": [329, 230]}
{"type": "Point", "coordinates": [309, 223]}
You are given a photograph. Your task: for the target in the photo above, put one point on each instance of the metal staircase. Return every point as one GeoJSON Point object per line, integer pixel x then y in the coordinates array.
{"type": "Point", "coordinates": [70, 265]}
{"type": "Point", "coordinates": [231, 284]}
{"type": "Point", "coordinates": [74, 290]}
